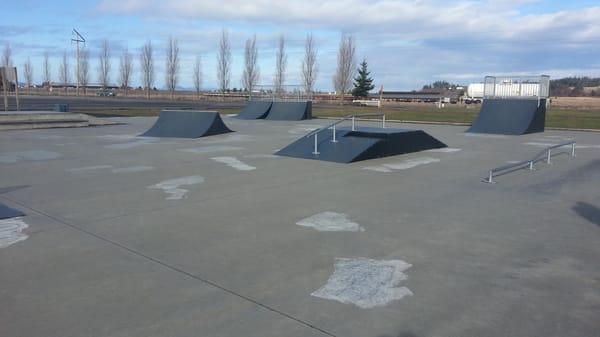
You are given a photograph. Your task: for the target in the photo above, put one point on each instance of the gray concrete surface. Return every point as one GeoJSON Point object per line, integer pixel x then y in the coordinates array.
{"type": "Point", "coordinates": [108, 256]}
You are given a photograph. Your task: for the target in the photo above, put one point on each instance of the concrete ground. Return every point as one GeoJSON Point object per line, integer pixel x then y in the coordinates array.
{"type": "Point", "coordinates": [114, 249]}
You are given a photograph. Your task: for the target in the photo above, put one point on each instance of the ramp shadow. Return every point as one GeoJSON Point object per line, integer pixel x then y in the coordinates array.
{"type": "Point", "coordinates": [588, 211]}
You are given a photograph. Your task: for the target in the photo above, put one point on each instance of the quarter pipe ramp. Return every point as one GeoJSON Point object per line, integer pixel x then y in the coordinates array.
{"type": "Point", "coordinates": [187, 124]}
{"type": "Point", "coordinates": [510, 116]}
{"type": "Point", "coordinates": [290, 111]}
{"type": "Point", "coordinates": [255, 110]}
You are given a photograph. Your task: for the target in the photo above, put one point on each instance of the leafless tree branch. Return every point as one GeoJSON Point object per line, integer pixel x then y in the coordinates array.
{"type": "Point", "coordinates": [197, 76]}
{"type": "Point", "coordinates": [251, 70]}
{"type": "Point", "coordinates": [104, 64]}
{"type": "Point", "coordinates": [63, 72]}
{"type": "Point", "coordinates": [84, 69]}
{"type": "Point", "coordinates": [281, 64]}
{"type": "Point", "coordinates": [125, 70]}
{"type": "Point", "coordinates": [310, 67]}
{"type": "Point", "coordinates": [47, 71]}
{"type": "Point", "coordinates": [224, 62]}
{"type": "Point", "coordinates": [147, 65]}
{"type": "Point", "coordinates": [7, 56]}
{"type": "Point", "coordinates": [28, 72]}
{"type": "Point", "coordinates": [346, 63]}
{"type": "Point", "coordinates": [172, 66]}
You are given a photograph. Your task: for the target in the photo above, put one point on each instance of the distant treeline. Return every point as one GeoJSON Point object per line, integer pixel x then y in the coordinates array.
{"type": "Point", "coordinates": [575, 86]}
{"type": "Point", "coordinates": [440, 85]}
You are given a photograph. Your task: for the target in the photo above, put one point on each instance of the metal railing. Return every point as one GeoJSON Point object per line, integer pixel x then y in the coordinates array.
{"type": "Point", "coordinates": [332, 126]}
{"type": "Point", "coordinates": [545, 154]}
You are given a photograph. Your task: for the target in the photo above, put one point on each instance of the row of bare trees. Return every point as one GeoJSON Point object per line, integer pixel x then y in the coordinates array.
{"type": "Point", "coordinates": [342, 79]}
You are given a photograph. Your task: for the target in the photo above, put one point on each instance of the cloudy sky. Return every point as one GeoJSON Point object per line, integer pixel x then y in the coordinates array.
{"type": "Point", "coordinates": [407, 43]}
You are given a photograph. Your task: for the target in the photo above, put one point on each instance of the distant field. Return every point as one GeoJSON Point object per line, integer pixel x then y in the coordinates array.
{"type": "Point", "coordinates": [564, 113]}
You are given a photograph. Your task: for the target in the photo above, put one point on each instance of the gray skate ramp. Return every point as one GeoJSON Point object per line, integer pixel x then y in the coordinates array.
{"type": "Point", "coordinates": [362, 144]}
{"type": "Point", "coordinates": [290, 111]}
{"type": "Point", "coordinates": [187, 124]}
{"type": "Point", "coordinates": [255, 110]}
{"type": "Point", "coordinates": [8, 212]}
{"type": "Point", "coordinates": [510, 116]}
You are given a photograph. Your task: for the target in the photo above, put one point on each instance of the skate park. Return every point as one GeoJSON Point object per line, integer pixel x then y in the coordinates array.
{"type": "Point", "coordinates": [222, 235]}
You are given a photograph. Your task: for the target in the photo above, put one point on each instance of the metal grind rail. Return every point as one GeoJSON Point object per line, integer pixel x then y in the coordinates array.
{"type": "Point", "coordinates": [332, 126]}
{"type": "Point", "coordinates": [545, 154]}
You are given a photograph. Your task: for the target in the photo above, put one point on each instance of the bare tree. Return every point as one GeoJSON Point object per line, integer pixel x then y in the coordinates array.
{"type": "Point", "coordinates": [63, 72]}
{"type": "Point", "coordinates": [172, 65]}
{"type": "Point", "coordinates": [104, 64]}
{"type": "Point", "coordinates": [83, 75]}
{"type": "Point", "coordinates": [251, 69]}
{"type": "Point", "coordinates": [198, 76]}
{"type": "Point", "coordinates": [281, 64]}
{"type": "Point", "coordinates": [345, 65]}
{"type": "Point", "coordinates": [125, 70]}
{"type": "Point", "coordinates": [147, 66]}
{"type": "Point", "coordinates": [7, 56]}
{"type": "Point", "coordinates": [47, 71]}
{"type": "Point", "coordinates": [6, 62]}
{"type": "Point", "coordinates": [224, 62]}
{"type": "Point", "coordinates": [309, 65]}
{"type": "Point", "coordinates": [28, 72]}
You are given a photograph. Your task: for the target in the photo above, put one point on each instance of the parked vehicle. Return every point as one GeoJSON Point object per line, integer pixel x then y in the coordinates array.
{"type": "Point", "coordinates": [106, 93]}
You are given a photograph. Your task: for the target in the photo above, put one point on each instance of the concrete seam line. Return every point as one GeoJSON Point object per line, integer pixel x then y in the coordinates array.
{"type": "Point", "coordinates": [173, 268]}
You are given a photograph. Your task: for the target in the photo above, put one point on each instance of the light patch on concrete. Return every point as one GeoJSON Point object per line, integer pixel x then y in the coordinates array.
{"type": "Point", "coordinates": [132, 169]}
{"type": "Point", "coordinates": [403, 165]}
{"type": "Point", "coordinates": [484, 135]}
{"type": "Point", "coordinates": [32, 155]}
{"type": "Point", "coordinates": [211, 149]}
{"type": "Point", "coordinates": [445, 150]}
{"type": "Point", "coordinates": [130, 145]}
{"type": "Point", "coordinates": [377, 169]}
{"type": "Point", "coordinates": [330, 222]}
{"type": "Point", "coordinates": [11, 231]}
{"type": "Point", "coordinates": [89, 168]}
{"type": "Point", "coordinates": [65, 144]}
{"type": "Point", "coordinates": [171, 186]}
{"type": "Point", "coordinates": [234, 162]}
{"type": "Point", "coordinates": [48, 137]}
{"type": "Point", "coordinates": [230, 138]}
{"type": "Point", "coordinates": [303, 129]}
{"type": "Point", "coordinates": [410, 163]}
{"type": "Point", "coordinates": [261, 156]}
{"type": "Point", "coordinates": [366, 283]}
{"type": "Point", "coordinates": [118, 137]}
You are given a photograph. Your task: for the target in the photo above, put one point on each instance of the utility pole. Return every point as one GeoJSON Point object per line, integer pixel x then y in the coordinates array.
{"type": "Point", "coordinates": [77, 38]}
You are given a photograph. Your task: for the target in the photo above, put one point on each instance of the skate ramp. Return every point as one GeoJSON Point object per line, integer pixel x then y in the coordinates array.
{"type": "Point", "coordinates": [255, 110]}
{"type": "Point", "coordinates": [510, 116]}
{"type": "Point", "coordinates": [362, 144]}
{"type": "Point", "coordinates": [8, 212]}
{"type": "Point", "coordinates": [187, 124]}
{"type": "Point", "coordinates": [290, 111]}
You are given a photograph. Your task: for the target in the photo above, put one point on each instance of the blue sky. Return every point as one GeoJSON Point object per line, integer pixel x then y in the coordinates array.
{"type": "Point", "coordinates": [407, 43]}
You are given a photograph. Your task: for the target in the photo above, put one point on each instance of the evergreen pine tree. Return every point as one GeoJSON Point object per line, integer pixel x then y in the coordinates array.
{"type": "Point", "coordinates": [363, 83]}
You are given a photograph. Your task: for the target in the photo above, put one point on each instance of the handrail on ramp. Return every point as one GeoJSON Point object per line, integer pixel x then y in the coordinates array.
{"type": "Point", "coordinates": [332, 126]}
{"type": "Point", "coordinates": [546, 154]}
